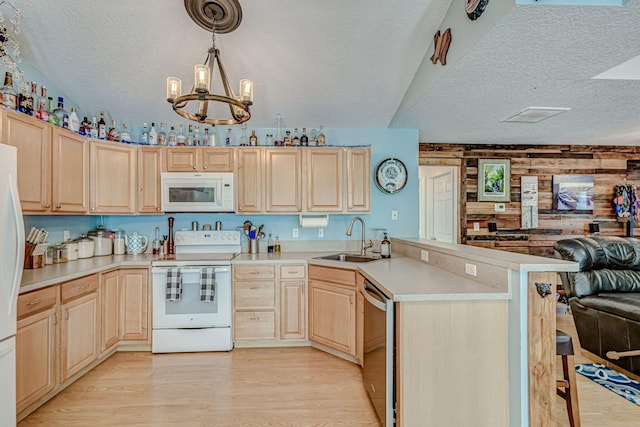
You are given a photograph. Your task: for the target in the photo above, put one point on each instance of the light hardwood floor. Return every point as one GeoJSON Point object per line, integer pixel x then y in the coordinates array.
{"type": "Point", "coordinates": [599, 407]}
{"type": "Point", "coordinates": [258, 387]}
{"type": "Point", "coordinates": [246, 387]}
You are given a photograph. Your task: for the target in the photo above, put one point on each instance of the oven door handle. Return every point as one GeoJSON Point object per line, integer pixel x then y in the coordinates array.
{"type": "Point", "coordinates": [189, 269]}
{"type": "Point", "coordinates": [368, 292]}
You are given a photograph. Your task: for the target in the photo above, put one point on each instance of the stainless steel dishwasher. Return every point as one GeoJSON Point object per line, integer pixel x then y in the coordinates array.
{"type": "Point", "coordinates": [379, 360]}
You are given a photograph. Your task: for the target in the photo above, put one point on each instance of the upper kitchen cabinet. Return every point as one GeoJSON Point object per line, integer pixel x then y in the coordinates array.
{"type": "Point", "coordinates": [358, 179]}
{"type": "Point", "coordinates": [150, 161]}
{"type": "Point", "coordinates": [325, 179]}
{"type": "Point", "coordinates": [113, 178]}
{"type": "Point", "coordinates": [199, 159]}
{"type": "Point", "coordinates": [283, 180]}
{"type": "Point", "coordinates": [32, 138]}
{"type": "Point", "coordinates": [249, 180]}
{"type": "Point", "coordinates": [69, 172]}
{"type": "Point", "coordinates": [298, 180]}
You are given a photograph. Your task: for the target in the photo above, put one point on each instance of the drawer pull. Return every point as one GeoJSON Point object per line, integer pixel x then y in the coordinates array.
{"type": "Point", "coordinates": [82, 287]}
{"type": "Point", "coordinates": [254, 318]}
{"type": "Point", "coordinates": [254, 288]}
{"type": "Point", "coordinates": [254, 273]}
{"type": "Point", "coordinates": [34, 302]}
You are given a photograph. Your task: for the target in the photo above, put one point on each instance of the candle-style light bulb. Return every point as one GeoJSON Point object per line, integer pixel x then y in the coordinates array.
{"type": "Point", "coordinates": [174, 88]}
{"type": "Point", "coordinates": [201, 78]}
{"type": "Point", "coordinates": [246, 90]}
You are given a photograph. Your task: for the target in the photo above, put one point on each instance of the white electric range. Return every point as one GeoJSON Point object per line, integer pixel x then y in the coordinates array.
{"type": "Point", "coordinates": [194, 322]}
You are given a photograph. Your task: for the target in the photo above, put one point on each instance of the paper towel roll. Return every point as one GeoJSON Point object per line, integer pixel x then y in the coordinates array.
{"type": "Point", "coordinates": [316, 221]}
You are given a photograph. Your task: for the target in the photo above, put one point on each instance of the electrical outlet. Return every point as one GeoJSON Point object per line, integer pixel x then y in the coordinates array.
{"type": "Point", "coordinates": [470, 269]}
{"type": "Point", "coordinates": [499, 207]}
{"type": "Point", "coordinates": [320, 232]}
{"type": "Point", "coordinates": [65, 235]}
{"type": "Point", "coordinates": [394, 215]}
{"type": "Point", "coordinates": [476, 226]}
{"type": "Point", "coordinates": [295, 233]}
{"type": "Point", "coordinates": [424, 255]}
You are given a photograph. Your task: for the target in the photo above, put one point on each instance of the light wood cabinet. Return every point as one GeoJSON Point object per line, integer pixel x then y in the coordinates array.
{"type": "Point", "coordinates": [134, 304]}
{"type": "Point", "coordinates": [200, 159]}
{"type": "Point", "coordinates": [32, 138]}
{"type": "Point", "coordinates": [358, 179]}
{"type": "Point", "coordinates": [249, 180]}
{"type": "Point", "coordinates": [79, 336]}
{"type": "Point", "coordinates": [283, 180]}
{"type": "Point", "coordinates": [69, 173]}
{"type": "Point", "coordinates": [150, 161]}
{"type": "Point", "coordinates": [332, 308]}
{"type": "Point", "coordinates": [254, 303]}
{"type": "Point", "coordinates": [325, 179]}
{"type": "Point", "coordinates": [296, 180]}
{"type": "Point", "coordinates": [36, 346]}
{"type": "Point", "coordinates": [112, 182]}
{"type": "Point", "coordinates": [109, 310]}
{"type": "Point", "coordinates": [293, 302]}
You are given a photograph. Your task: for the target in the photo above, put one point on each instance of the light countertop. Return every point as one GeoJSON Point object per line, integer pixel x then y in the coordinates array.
{"type": "Point", "coordinates": [58, 273]}
{"type": "Point", "coordinates": [512, 260]}
{"type": "Point", "coordinates": [405, 279]}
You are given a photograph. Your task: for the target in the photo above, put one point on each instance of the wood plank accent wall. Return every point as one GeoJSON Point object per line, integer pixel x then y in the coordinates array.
{"type": "Point", "coordinates": [609, 165]}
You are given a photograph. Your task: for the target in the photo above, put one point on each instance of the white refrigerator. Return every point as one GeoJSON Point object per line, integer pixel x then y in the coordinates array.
{"type": "Point", "coordinates": [11, 264]}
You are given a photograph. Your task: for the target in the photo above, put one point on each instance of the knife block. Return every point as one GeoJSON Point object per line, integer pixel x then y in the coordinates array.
{"type": "Point", "coordinates": [33, 255]}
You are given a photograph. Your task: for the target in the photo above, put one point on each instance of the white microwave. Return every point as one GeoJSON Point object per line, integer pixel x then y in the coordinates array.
{"type": "Point", "coordinates": [197, 192]}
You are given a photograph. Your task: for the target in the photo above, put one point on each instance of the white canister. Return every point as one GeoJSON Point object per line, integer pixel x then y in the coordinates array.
{"type": "Point", "coordinates": [70, 251]}
{"type": "Point", "coordinates": [119, 244]}
{"type": "Point", "coordinates": [85, 247]}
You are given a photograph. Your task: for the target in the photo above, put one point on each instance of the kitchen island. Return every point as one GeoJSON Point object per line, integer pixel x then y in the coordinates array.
{"type": "Point", "coordinates": [435, 324]}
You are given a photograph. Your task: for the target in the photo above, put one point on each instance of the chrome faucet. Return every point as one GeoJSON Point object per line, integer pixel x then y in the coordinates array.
{"type": "Point", "coordinates": [363, 247]}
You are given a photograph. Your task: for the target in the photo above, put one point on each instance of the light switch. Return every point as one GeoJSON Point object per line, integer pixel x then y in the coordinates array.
{"type": "Point", "coordinates": [394, 215]}
{"type": "Point", "coordinates": [295, 233]}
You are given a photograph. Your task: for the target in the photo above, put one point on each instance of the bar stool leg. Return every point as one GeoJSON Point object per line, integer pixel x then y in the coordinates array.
{"type": "Point", "coordinates": [570, 394]}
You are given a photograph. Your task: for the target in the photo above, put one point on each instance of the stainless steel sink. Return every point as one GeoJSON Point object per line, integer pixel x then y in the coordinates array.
{"type": "Point", "coordinates": [348, 257]}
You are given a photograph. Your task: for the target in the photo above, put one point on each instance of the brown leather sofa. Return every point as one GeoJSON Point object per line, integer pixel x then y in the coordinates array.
{"type": "Point", "coordinates": [605, 295]}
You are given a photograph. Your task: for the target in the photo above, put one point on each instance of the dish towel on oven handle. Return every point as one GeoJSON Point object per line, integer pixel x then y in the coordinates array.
{"type": "Point", "coordinates": [174, 284]}
{"type": "Point", "coordinates": [207, 284]}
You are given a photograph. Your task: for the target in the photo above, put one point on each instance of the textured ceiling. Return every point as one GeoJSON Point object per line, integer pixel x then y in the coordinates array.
{"type": "Point", "coordinates": [350, 64]}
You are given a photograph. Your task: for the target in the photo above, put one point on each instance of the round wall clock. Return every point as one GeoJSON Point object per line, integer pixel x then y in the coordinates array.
{"type": "Point", "coordinates": [391, 175]}
{"type": "Point", "coordinates": [475, 8]}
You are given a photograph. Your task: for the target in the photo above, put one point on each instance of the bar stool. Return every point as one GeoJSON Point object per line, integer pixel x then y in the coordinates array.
{"type": "Point", "coordinates": [566, 387]}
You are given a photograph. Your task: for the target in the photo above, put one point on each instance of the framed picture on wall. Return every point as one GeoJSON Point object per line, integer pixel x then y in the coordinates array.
{"type": "Point", "coordinates": [493, 180]}
{"type": "Point", "coordinates": [573, 192]}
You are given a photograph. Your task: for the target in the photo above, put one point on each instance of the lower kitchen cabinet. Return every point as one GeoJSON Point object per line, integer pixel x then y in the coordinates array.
{"type": "Point", "coordinates": [134, 304]}
{"type": "Point", "coordinates": [332, 308]}
{"type": "Point", "coordinates": [293, 313]}
{"type": "Point", "coordinates": [332, 316]}
{"type": "Point", "coordinates": [109, 304]}
{"type": "Point", "coordinates": [269, 303]}
{"type": "Point", "coordinates": [254, 298]}
{"type": "Point", "coordinates": [79, 332]}
{"type": "Point", "coordinates": [36, 346]}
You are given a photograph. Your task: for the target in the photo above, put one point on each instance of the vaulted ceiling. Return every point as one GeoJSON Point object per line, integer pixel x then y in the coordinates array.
{"type": "Point", "coordinates": [355, 64]}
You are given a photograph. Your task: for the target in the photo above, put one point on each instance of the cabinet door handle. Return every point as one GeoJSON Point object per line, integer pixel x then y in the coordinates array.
{"type": "Point", "coordinates": [67, 309]}
{"type": "Point", "coordinates": [47, 206]}
{"type": "Point", "coordinates": [204, 167]}
{"type": "Point", "coordinates": [194, 167]}
{"type": "Point", "coordinates": [58, 206]}
{"type": "Point", "coordinates": [34, 302]}
{"type": "Point", "coordinates": [158, 209]}
{"type": "Point", "coordinates": [55, 318]}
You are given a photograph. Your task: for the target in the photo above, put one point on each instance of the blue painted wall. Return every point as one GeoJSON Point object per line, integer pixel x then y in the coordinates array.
{"type": "Point", "coordinates": [397, 143]}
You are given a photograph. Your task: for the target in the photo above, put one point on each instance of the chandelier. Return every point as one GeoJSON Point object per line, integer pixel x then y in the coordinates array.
{"type": "Point", "coordinates": [219, 16]}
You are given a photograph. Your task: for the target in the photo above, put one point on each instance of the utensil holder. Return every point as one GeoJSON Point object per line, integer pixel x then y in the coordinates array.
{"type": "Point", "coordinates": [253, 246]}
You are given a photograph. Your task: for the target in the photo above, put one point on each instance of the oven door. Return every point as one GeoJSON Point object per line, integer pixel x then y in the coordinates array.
{"type": "Point", "coordinates": [378, 363]}
{"type": "Point", "coordinates": [197, 192]}
{"type": "Point", "coordinates": [190, 311]}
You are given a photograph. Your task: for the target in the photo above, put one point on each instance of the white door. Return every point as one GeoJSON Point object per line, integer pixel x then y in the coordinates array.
{"type": "Point", "coordinates": [439, 210]}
